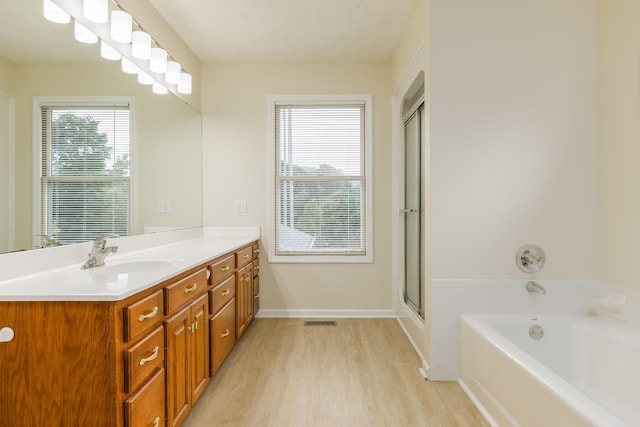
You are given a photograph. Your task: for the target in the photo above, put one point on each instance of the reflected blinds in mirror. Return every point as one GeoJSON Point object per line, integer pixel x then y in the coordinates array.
{"type": "Point", "coordinates": [86, 172]}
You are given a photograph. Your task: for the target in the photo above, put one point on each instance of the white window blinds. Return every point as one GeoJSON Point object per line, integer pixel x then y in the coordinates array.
{"type": "Point", "coordinates": [86, 172]}
{"type": "Point", "coordinates": [320, 179]}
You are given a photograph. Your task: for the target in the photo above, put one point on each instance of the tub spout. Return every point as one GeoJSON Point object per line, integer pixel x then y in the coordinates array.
{"type": "Point", "coordinates": [535, 287]}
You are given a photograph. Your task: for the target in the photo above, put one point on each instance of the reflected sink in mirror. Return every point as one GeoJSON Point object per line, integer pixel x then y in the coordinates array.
{"type": "Point", "coordinates": [131, 266]}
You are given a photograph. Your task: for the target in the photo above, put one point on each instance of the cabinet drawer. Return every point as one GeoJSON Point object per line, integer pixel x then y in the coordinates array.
{"type": "Point", "coordinates": [256, 250]}
{"type": "Point", "coordinates": [243, 256]}
{"type": "Point", "coordinates": [142, 315]}
{"type": "Point", "coordinates": [222, 294]}
{"type": "Point", "coordinates": [223, 334]}
{"type": "Point", "coordinates": [222, 269]}
{"type": "Point", "coordinates": [185, 290]}
{"type": "Point", "coordinates": [256, 267]}
{"type": "Point", "coordinates": [146, 407]}
{"type": "Point", "coordinates": [143, 359]}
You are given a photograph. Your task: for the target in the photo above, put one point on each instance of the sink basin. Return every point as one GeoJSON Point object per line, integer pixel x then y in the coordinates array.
{"type": "Point", "coordinates": [132, 266]}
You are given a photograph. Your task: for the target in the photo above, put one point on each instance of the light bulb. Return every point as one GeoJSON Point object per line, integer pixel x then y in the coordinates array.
{"type": "Point", "coordinates": [83, 34]}
{"type": "Point", "coordinates": [144, 78]}
{"type": "Point", "coordinates": [159, 89]}
{"type": "Point", "coordinates": [129, 67]}
{"type": "Point", "coordinates": [107, 52]}
{"type": "Point", "coordinates": [172, 76]}
{"type": "Point", "coordinates": [121, 23]}
{"type": "Point", "coordinates": [184, 85]}
{"type": "Point", "coordinates": [53, 13]}
{"type": "Point", "coordinates": [141, 45]}
{"type": "Point", "coordinates": [96, 10]}
{"type": "Point", "coordinates": [158, 61]}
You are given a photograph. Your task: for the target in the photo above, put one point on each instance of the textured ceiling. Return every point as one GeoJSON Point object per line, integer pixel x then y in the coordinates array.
{"type": "Point", "coordinates": [239, 30]}
{"type": "Point", "coordinates": [229, 30]}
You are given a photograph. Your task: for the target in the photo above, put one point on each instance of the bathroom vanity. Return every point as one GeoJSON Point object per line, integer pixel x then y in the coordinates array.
{"type": "Point", "coordinates": [132, 343]}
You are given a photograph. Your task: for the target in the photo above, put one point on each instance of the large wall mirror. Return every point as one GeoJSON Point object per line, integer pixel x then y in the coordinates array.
{"type": "Point", "coordinates": [40, 59]}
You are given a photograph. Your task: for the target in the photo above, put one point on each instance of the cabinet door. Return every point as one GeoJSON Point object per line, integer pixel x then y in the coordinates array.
{"type": "Point", "coordinates": [199, 346]}
{"type": "Point", "coordinates": [223, 334]}
{"type": "Point", "coordinates": [244, 298]}
{"type": "Point", "coordinates": [177, 329]}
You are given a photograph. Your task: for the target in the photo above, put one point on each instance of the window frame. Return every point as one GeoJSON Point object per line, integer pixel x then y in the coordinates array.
{"type": "Point", "coordinates": [345, 99]}
{"type": "Point", "coordinates": [74, 101]}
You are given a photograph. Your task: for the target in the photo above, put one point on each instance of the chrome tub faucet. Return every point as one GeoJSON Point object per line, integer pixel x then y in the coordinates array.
{"type": "Point", "coordinates": [535, 287]}
{"type": "Point", "coordinates": [99, 252]}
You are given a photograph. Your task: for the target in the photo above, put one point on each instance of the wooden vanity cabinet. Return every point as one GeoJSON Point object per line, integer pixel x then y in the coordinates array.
{"type": "Point", "coordinates": [187, 344]}
{"type": "Point", "coordinates": [140, 361]}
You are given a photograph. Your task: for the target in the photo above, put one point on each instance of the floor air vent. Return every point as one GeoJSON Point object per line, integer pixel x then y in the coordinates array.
{"type": "Point", "coordinates": [320, 323]}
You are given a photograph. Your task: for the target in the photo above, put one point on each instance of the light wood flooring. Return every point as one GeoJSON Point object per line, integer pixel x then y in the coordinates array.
{"type": "Point", "coordinates": [362, 372]}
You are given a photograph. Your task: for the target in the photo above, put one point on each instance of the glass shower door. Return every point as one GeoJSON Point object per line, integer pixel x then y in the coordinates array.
{"type": "Point", "coordinates": [413, 208]}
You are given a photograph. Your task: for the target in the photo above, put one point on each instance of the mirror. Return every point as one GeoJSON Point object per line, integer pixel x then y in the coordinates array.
{"type": "Point", "coordinates": [41, 59]}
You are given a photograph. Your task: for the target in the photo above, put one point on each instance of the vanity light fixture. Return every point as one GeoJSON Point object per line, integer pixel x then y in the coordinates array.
{"type": "Point", "coordinates": [184, 85]}
{"type": "Point", "coordinates": [107, 52]}
{"type": "Point", "coordinates": [96, 10]}
{"type": "Point", "coordinates": [144, 78]}
{"type": "Point", "coordinates": [83, 34]}
{"type": "Point", "coordinates": [53, 13]}
{"type": "Point", "coordinates": [159, 89]}
{"type": "Point", "coordinates": [121, 23]}
{"type": "Point", "coordinates": [158, 61]}
{"type": "Point", "coordinates": [129, 67]}
{"type": "Point", "coordinates": [141, 45]}
{"type": "Point", "coordinates": [138, 52]}
{"type": "Point", "coordinates": [172, 76]}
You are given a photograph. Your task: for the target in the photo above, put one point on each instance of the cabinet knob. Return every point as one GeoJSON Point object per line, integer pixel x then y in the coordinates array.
{"type": "Point", "coordinates": [150, 358]}
{"type": "Point", "coordinates": [149, 315]}
{"type": "Point", "coordinates": [6, 334]}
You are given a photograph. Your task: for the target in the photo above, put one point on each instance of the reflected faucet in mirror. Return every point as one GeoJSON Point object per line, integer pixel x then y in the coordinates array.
{"type": "Point", "coordinates": [99, 252]}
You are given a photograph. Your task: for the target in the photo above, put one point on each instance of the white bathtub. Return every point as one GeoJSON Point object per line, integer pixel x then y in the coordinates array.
{"type": "Point", "coordinates": [584, 371]}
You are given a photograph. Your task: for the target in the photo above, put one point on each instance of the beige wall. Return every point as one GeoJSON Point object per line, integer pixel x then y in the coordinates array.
{"type": "Point", "coordinates": [234, 105]}
{"type": "Point", "coordinates": [618, 142]}
{"type": "Point", "coordinates": [513, 136]}
{"type": "Point", "coordinates": [167, 153]}
{"type": "Point", "coordinates": [413, 46]}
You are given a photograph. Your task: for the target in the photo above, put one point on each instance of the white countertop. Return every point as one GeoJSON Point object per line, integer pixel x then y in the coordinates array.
{"type": "Point", "coordinates": [124, 273]}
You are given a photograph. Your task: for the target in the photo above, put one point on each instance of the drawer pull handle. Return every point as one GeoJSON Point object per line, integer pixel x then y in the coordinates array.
{"type": "Point", "coordinates": [150, 358]}
{"type": "Point", "coordinates": [149, 315]}
{"type": "Point", "coordinates": [245, 256]}
{"type": "Point", "coordinates": [225, 268]}
{"type": "Point", "coordinates": [257, 268]}
{"type": "Point", "coordinates": [257, 251]}
{"type": "Point", "coordinates": [257, 296]}
{"type": "Point", "coordinates": [208, 274]}
{"type": "Point", "coordinates": [191, 288]}
{"type": "Point", "coordinates": [226, 334]}
{"type": "Point", "coordinates": [156, 422]}
{"type": "Point", "coordinates": [193, 327]}
{"type": "Point", "coordinates": [225, 292]}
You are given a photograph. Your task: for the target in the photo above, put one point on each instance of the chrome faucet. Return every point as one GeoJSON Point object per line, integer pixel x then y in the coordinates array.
{"type": "Point", "coordinates": [535, 287]}
{"type": "Point", "coordinates": [99, 252]}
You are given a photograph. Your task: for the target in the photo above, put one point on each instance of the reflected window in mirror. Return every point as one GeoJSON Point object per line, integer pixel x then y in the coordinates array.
{"type": "Point", "coordinates": [85, 170]}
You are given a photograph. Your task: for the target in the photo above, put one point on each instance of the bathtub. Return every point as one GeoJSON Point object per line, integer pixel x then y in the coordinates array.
{"type": "Point", "coordinates": [582, 371]}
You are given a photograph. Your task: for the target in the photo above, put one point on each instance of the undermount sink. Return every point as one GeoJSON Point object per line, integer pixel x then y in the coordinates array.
{"type": "Point", "coordinates": [133, 266]}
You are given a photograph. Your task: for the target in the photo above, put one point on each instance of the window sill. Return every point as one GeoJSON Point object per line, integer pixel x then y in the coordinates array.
{"type": "Point", "coordinates": [329, 259]}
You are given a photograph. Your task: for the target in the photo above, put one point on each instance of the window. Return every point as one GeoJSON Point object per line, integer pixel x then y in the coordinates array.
{"type": "Point", "coordinates": [85, 170]}
{"type": "Point", "coordinates": [321, 197]}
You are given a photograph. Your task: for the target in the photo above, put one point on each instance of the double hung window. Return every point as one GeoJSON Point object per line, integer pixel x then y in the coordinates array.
{"type": "Point", "coordinates": [321, 185]}
{"type": "Point", "coordinates": [85, 170]}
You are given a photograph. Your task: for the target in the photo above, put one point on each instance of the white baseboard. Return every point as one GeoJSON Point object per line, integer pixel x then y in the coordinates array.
{"type": "Point", "coordinates": [341, 314]}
